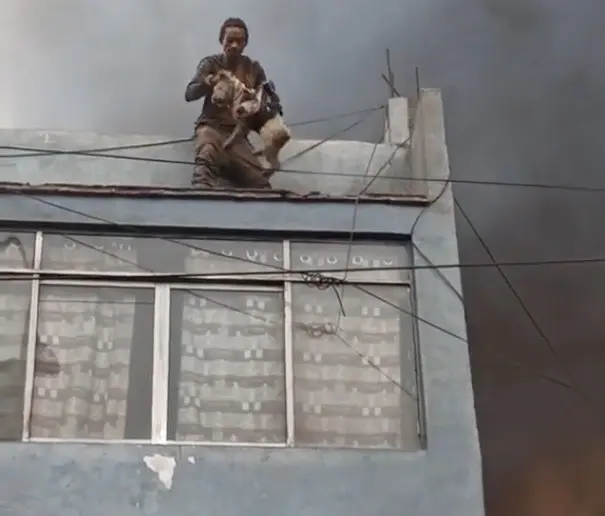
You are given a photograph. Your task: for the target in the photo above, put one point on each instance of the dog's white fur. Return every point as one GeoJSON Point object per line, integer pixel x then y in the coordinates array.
{"type": "Point", "coordinates": [229, 91]}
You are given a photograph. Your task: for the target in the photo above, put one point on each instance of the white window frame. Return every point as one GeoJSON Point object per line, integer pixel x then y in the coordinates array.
{"type": "Point", "coordinates": [280, 282]}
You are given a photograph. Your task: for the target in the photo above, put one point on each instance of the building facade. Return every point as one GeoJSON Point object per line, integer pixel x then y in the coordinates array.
{"type": "Point", "coordinates": [172, 351]}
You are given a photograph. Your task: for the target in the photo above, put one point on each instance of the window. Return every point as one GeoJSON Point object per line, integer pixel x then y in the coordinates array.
{"type": "Point", "coordinates": [227, 366]}
{"type": "Point", "coordinates": [102, 338]}
{"type": "Point", "coordinates": [220, 342]}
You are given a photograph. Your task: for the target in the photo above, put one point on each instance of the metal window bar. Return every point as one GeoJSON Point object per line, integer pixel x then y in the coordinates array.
{"type": "Point", "coordinates": [161, 365]}
{"type": "Point", "coordinates": [276, 278]}
{"type": "Point", "coordinates": [420, 393]}
{"type": "Point", "coordinates": [221, 286]}
{"type": "Point", "coordinates": [152, 276]}
{"type": "Point", "coordinates": [287, 329]}
{"type": "Point", "coordinates": [32, 339]}
{"type": "Point", "coordinates": [266, 275]}
{"type": "Point", "coordinates": [213, 444]}
{"type": "Point", "coordinates": [98, 283]}
{"type": "Point", "coordinates": [288, 350]}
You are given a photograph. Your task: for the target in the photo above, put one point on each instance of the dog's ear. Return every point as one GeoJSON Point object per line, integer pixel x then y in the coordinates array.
{"type": "Point", "coordinates": [222, 75]}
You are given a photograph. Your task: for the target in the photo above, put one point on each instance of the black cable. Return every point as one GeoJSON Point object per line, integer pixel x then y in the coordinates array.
{"type": "Point", "coordinates": [336, 117]}
{"type": "Point", "coordinates": [503, 363]}
{"type": "Point", "coordinates": [498, 266]}
{"type": "Point", "coordinates": [364, 189]}
{"type": "Point", "coordinates": [506, 280]}
{"type": "Point", "coordinates": [446, 183]}
{"type": "Point", "coordinates": [375, 366]}
{"type": "Point", "coordinates": [330, 137]}
{"type": "Point", "coordinates": [94, 154]}
{"type": "Point", "coordinates": [339, 295]}
{"type": "Point", "coordinates": [415, 316]}
{"type": "Point", "coordinates": [324, 282]}
{"type": "Point", "coordinates": [439, 272]}
{"type": "Point", "coordinates": [308, 275]}
{"type": "Point", "coordinates": [318, 279]}
{"type": "Point", "coordinates": [43, 152]}
{"type": "Point", "coordinates": [369, 293]}
{"type": "Point", "coordinates": [551, 347]}
{"type": "Point", "coordinates": [35, 152]}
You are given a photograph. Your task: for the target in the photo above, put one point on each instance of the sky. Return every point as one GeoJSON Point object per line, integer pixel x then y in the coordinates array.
{"type": "Point", "coordinates": [523, 84]}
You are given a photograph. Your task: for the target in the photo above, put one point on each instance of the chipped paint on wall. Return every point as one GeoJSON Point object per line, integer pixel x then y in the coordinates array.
{"type": "Point", "coordinates": [163, 467]}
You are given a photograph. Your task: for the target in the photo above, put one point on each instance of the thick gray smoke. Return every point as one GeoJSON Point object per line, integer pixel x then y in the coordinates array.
{"type": "Point", "coordinates": [524, 84]}
{"type": "Point", "coordinates": [115, 66]}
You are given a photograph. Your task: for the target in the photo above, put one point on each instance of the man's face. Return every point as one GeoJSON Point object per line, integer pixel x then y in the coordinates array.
{"type": "Point", "coordinates": [234, 42]}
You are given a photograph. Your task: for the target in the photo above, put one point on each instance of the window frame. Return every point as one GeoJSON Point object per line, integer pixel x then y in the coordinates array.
{"type": "Point", "coordinates": [282, 281]}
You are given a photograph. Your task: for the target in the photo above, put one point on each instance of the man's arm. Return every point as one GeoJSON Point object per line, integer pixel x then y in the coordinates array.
{"type": "Point", "coordinates": [260, 77]}
{"type": "Point", "coordinates": [198, 87]}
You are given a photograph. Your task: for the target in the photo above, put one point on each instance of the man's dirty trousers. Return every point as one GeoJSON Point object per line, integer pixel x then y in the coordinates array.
{"type": "Point", "coordinates": [234, 167]}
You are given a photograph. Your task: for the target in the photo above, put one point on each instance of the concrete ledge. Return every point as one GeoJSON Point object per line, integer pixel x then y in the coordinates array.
{"type": "Point", "coordinates": [208, 214]}
{"type": "Point", "coordinates": [333, 167]}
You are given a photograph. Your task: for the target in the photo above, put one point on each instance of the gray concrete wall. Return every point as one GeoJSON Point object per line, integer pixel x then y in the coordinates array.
{"type": "Point", "coordinates": [334, 167]}
{"type": "Point", "coordinates": [442, 480]}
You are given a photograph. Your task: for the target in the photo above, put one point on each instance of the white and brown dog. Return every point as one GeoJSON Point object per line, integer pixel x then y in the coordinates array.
{"type": "Point", "coordinates": [248, 108]}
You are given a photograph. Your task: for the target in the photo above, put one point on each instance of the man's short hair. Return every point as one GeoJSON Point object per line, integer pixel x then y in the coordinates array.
{"type": "Point", "coordinates": [236, 23]}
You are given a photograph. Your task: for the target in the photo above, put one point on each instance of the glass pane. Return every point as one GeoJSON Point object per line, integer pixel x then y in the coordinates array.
{"type": "Point", "coordinates": [341, 399]}
{"type": "Point", "coordinates": [323, 256]}
{"type": "Point", "coordinates": [163, 255]}
{"type": "Point", "coordinates": [228, 256]}
{"type": "Point", "coordinates": [17, 250]}
{"type": "Point", "coordinates": [227, 367]}
{"type": "Point", "coordinates": [14, 322]}
{"type": "Point", "coordinates": [103, 340]}
{"type": "Point", "coordinates": [90, 253]}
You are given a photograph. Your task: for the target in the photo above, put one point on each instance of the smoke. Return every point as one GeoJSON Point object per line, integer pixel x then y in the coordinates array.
{"type": "Point", "coordinates": [523, 82]}
{"type": "Point", "coordinates": [111, 66]}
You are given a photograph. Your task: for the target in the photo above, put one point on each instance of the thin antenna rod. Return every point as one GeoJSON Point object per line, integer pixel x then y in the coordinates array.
{"type": "Point", "coordinates": [390, 75]}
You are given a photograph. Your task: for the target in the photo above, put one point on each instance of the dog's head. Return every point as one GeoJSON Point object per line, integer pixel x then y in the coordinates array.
{"type": "Point", "coordinates": [223, 88]}
{"type": "Point", "coordinates": [247, 108]}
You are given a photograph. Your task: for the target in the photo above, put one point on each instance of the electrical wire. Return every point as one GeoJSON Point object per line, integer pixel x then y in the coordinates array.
{"type": "Point", "coordinates": [364, 358]}
{"type": "Point", "coordinates": [550, 346]}
{"type": "Point", "coordinates": [502, 362]}
{"type": "Point", "coordinates": [498, 265]}
{"type": "Point", "coordinates": [336, 117]}
{"type": "Point", "coordinates": [332, 281]}
{"type": "Point", "coordinates": [333, 135]}
{"type": "Point", "coordinates": [308, 275]}
{"type": "Point", "coordinates": [380, 298]}
{"type": "Point", "coordinates": [100, 152]}
{"type": "Point", "coordinates": [191, 163]}
{"type": "Point", "coordinates": [351, 237]}
{"type": "Point", "coordinates": [340, 295]}
{"type": "Point", "coordinates": [478, 182]}
{"type": "Point", "coordinates": [36, 152]}
{"type": "Point", "coordinates": [415, 316]}
{"type": "Point", "coordinates": [438, 270]}
{"type": "Point", "coordinates": [365, 189]}
{"type": "Point", "coordinates": [447, 183]}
